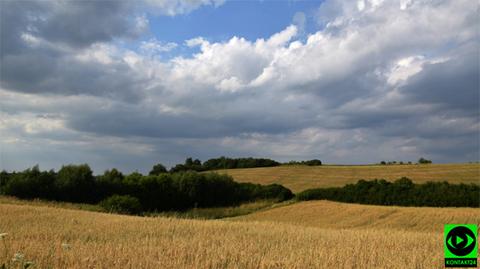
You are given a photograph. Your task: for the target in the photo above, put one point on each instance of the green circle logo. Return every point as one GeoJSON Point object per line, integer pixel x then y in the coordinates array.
{"type": "Point", "coordinates": [460, 241]}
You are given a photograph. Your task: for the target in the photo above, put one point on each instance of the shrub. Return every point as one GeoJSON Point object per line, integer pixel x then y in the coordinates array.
{"type": "Point", "coordinates": [123, 204]}
{"type": "Point", "coordinates": [252, 192]}
{"type": "Point", "coordinates": [401, 192]}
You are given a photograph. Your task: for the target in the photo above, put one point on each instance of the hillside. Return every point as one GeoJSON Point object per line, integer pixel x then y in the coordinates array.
{"type": "Point", "coordinates": [67, 238]}
{"type": "Point", "coordinates": [334, 215]}
{"type": "Point", "coordinates": [298, 178]}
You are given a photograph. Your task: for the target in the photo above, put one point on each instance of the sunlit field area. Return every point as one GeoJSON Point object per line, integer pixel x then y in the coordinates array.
{"type": "Point", "coordinates": [334, 215]}
{"type": "Point", "coordinates": [377, 237]}
{"type": "Point", "coordinates": [299, 178]}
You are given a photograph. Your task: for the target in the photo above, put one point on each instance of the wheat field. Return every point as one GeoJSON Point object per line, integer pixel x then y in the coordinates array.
{"type": "Point", "coordinates": [299, 178]}
{"type": "Point", "coordinates": [335, 215]}
{"type": "Point", "coordinates": [53, 237]}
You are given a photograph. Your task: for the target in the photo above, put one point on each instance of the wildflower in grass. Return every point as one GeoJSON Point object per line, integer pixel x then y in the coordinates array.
{"type": "Point", "coordinates": [18, 257]}
{"type": "Point", "coordinates": [66, 246]}
{"type": "Point", "coordinates": [2, 235]}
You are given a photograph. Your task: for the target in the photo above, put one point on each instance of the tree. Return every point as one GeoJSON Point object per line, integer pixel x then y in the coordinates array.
{"type": "Point", "coordinates": [109, 183]}
{"type": "Point", "coordinates": [31, 183]}
{"type": "Point", "coordinates": [4, 176]}
{"type": "Point", "coordinates": [189, 165]}
{"type": "Point", "coordinates": [76, 183]}
{"type": "Point", "coordinates": [113, 175]}
{"type": "Point", "coordinates": [424, 161]}
{"type": "Point", "coordinates": [197, 162]}
{"type": "Point", "coordinates": [313, 162]}
{"type": "Point", "coordinates": [158, 169]}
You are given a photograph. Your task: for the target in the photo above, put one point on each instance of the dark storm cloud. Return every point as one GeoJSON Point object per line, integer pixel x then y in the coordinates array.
{"type": "Point", "coordinates": [34, 72]}
{"type": "Point", "coordinates": [74, 23]}
{"type": "Point", "coordinates": [441, 100]}
{"type": "Point", "coordinates": [338, 91]}
{"type": "Point", "coordinates": [453, 84]}
{"type": "Point", "coordinates": [41, 41]}
{"type": "Point", "coordinates": [142, 121]}
{"type": "Point", "coordinates": [81, 23]}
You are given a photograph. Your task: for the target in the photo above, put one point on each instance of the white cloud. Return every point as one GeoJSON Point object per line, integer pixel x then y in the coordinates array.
{"type": "Point", "coordinates": [197, 41]}
{"type": "Point", "coordinates": [300, 20]}
{"type": "Point", "coordinates": [175, 7]}
{"type": "Point", "coordinates": [154, 46]}
{"type": "Point", "coordinates": [340, 95]}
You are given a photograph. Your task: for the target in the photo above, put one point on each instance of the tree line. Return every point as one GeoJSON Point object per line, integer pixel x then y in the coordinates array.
{"type": "Point", "coordinates": [420, 161]}
{"type": "Point", "coordinates": [402, 192]}
{"type": "Point", "coordinates": [313, 162]}
{"type": "Point", "coordinates": [227, 163]}
{"type": "Point", "coordinates": [223, 163]}
{"type": "Point", "coordinates": [162, 192]}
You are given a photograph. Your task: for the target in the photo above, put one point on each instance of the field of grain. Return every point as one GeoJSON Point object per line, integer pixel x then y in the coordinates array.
{"type": "Point", "coordinates": [334, 215]}
{"type": "Point", "coordinates": [65, 238]}
{"type": "Point", "coordinates": [298, 178]}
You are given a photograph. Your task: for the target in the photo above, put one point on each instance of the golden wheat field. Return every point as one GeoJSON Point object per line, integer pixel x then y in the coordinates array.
{"type": "Point", "coordinates": [327, 214]}
{"type": "Point", "coordinates": [299, 178]}
{"type": "Point", "coordinates": [53, 237]}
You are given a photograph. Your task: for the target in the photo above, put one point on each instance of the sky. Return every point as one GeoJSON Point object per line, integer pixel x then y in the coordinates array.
{"type": "Point", "coordinates": [128, 84]}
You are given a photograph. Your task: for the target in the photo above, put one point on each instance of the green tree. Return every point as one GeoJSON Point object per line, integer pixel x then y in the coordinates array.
{"type": "Point", "coordinates": [158, 169]}
{"type": "Point", "coordinates": [424, 161]}
{"type": "Point", "coordinates": [76, 183]}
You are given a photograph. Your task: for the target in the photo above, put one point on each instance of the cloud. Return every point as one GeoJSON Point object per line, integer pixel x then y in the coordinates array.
{"type": "Point", "coordinates": [74, 24]}
{"type": "Point", "coordinates": [452, 84]}
{"type": "Point", "coordinates": [299, 20]}
{"type": "Point", "coordinates": [175, 7]}
{"type": "Point", "coordinates": [377, 80]}
{"type": "Point", "coordinates": [154, 46]}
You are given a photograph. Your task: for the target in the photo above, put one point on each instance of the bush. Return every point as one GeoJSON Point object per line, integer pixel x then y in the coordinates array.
{"type": "Point", "coordinates": [252, 192]}
{"type": "Point", "coordinates": [123, 204]}
{"type": "Point", "coordinates": [401, 192]}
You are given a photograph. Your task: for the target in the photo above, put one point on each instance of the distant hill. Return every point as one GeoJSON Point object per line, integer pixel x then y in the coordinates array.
{"type": "Point", "coordinates": [299, 178]}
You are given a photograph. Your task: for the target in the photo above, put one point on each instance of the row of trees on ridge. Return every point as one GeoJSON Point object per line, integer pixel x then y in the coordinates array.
{"type": "Point", "coordinates": [402, 192]}
{"type": "Point", "coordinates": [162, 192]}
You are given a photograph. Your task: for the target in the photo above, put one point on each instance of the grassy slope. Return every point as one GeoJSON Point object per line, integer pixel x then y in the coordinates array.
{"type": "Point", "coordinates": [326, 214]}
{"type": "Point", "coordinates": [299, 178]}
{"type": "Point", "coordinates": [99, 240]}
